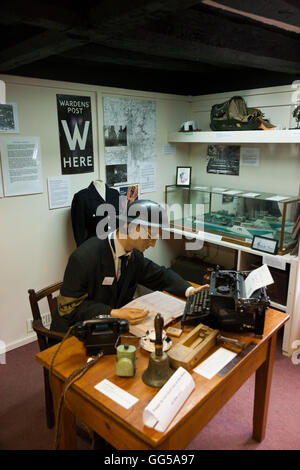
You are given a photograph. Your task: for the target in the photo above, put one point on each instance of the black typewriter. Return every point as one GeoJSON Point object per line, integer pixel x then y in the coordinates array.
{"type": "Point", "coordinates": [224, 305]}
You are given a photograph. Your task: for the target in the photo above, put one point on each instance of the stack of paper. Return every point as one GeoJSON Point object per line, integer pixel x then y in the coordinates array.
{"type": "Point", "coordinates": [156, 302]}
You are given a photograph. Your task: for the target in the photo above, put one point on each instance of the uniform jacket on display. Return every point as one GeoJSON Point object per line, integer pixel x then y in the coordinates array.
{"type": "Point", "coordinates": [83, 211]}
{"type": "Point", "coordinates": [90, 288]}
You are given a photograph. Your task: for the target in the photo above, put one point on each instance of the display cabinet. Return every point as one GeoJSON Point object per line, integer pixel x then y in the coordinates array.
{"type": "Point", "coordinates": [235, 215]}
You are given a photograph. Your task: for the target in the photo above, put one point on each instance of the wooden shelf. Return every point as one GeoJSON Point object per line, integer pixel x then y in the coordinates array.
{"type": "Point", "coordinates": [264, 137]}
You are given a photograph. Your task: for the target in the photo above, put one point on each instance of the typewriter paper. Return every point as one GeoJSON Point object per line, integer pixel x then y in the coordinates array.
{"type": "Point", "coordinates": [161, 410]}
{"type": "Point", "coordinates": [258, 278]}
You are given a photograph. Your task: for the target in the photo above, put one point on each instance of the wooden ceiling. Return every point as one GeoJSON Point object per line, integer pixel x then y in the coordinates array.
{"type": "Point", "coordinates": [187, 47]}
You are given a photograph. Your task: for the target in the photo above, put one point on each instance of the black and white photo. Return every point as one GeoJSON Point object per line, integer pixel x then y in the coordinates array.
{"type": "Point", "coordinates": [9, 118]}
{"type": "Point", "coordinates": [223, 159]}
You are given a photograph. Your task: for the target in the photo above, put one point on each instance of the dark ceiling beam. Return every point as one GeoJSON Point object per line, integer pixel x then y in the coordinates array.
{"type": "Point", "coordinates": [222, 31]}
{"type": "Point", "coordinates": [37, 48]}
{"type": "Point", "coordinates": [39, 14]}
{"type": "Point", "coordinates": [98, 54]}
{"type": "Point", "coordinates": [127, 15]}
{"type": "Point", "coordinates": [187, 49]}
{"type": "Point", "coordinates": [278, 13]}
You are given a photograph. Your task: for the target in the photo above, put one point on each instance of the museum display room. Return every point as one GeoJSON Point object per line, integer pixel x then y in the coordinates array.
{"type": "Point", "coordinates": [236, 206]}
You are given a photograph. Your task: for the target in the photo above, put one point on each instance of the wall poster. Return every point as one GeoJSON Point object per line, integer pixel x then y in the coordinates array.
{"type": "Point", "coordinates": [129, 139]}
{"type": "Point", "coordinates": [75, 134]}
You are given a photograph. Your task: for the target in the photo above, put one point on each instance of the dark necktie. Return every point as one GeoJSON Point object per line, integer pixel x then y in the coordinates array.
{"type": "Point", "coordinates": [124, 260]}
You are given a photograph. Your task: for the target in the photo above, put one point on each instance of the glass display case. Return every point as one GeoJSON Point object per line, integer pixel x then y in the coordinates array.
{"type": "Point", "coordinates": [236, 215]}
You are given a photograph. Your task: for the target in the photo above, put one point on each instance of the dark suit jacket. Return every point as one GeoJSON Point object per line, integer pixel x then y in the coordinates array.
{"type": "Point", "coordinates": [83, 295]}
{"type": "Point", "coordinates": [83, 211]}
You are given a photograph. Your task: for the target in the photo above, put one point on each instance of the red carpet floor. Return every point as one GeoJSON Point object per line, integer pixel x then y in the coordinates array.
{"type": "Point", "coordinates": [23, 425]}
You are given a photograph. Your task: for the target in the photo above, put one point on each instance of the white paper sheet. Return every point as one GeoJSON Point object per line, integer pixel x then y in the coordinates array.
{"type": "Point", "coordinates": [214, 363]}
{"type": "Point", "coordinates": [148, 180]}
{"type": "Point", "coordinates": [2, 92]}
{"type": "Point", "coordinates": [258, 278]}
{"type": "Point", "coordinates": [277, 198]}
{"type": "Point", "coordinates": [168, 149]}
{"type": "Point", "coordinates": [165, 405]}
{"type": "Point", "coordinates": [21, 165]}
{"type": "Point", "coordinates": [156, 302]}
{"type": "Point", "coordinates": [250, 156]}
{"type": "Point", "coordinates": [59, 192]}
{"type": "Point", "coordinates": [233, 191]}
{"type": "Point", "coordinates": [116, 394]}
{"type": "Point", "coordinates": [250, 194]}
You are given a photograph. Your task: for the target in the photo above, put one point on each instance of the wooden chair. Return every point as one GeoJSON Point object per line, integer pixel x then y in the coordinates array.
{"type": "Point", "coordinates": [43, 336]}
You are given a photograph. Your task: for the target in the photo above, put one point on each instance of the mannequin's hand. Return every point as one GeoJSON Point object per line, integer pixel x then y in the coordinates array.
{"type": "Point", "coordinates": [133, 315]}
{"type": "Point", "coordinates": [194, 290]}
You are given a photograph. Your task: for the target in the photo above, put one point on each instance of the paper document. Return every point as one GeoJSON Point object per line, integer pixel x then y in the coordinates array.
{"type": "Point", "coordinates": [233, 191]}
{"type": "Point", "coordinates": [156, 302]}
{"type": "Point", "coordinates": [258, 278]}
{"type": "Point", "coordinates": [277, 198]}
{"type": "Point", "coordinates": [214, 363]}
{"type": "Point", "coordinates": [161, 410]}
{"type": "Point", "coordinates": [147, 178]}
{"type": "Point", "coordinates": [116, 394]}
{"type": "Point", "coordinates": [250, 194]}
{"type": "Point", "coordinates": [59, 192]}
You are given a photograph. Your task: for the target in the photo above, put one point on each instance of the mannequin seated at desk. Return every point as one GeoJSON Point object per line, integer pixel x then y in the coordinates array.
{"type": "Point", "coordinates": [102, 274]}
{"type": "Point", "coordinates": [84, 208]}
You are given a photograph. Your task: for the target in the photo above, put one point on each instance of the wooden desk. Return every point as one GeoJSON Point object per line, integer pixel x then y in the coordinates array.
{"type": "Point", "coordinates": [124, 429]}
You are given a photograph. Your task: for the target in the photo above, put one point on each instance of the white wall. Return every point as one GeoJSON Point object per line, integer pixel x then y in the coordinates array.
{"type": "Point", "coordinates": [35, 242]}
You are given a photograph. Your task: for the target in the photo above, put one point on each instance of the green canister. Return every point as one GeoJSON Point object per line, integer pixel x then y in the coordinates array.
{"type": "Point", "coordinates": [125, 362]}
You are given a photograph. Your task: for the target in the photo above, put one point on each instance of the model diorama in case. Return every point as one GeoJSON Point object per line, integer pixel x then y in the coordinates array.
{"type": "Point", "coordinates": [236, 215]}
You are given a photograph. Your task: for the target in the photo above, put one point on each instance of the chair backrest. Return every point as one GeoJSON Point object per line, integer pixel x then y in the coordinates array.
{"type": "Point", "coordinates": [35, 298]}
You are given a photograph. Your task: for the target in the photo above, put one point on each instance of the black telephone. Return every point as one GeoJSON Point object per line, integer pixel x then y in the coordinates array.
{"type": "Point", "coordinates": [101, 334]}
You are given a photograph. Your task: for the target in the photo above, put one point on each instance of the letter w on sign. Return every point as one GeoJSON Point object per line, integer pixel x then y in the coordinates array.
{"type": "Point", "coordinates": [76, 137]}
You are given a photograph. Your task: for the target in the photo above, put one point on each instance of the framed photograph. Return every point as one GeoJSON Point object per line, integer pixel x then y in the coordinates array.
{"type": "Point", "coordinates": [267, 245]}
{"type": "Point", "coordinates": [9, 122]}
{"type": "Point", "coordinates": [183, 176]}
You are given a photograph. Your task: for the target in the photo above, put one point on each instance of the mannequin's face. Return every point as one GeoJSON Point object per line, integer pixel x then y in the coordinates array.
{"type": "Point", "coordinates": [141, 238]}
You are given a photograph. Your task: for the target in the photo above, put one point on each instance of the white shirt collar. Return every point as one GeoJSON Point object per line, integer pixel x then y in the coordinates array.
{"type": "Point", "coordinates": [119, 249]}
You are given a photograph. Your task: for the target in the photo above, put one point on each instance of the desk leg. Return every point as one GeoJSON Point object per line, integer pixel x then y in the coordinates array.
{"type": "Point", "coordinates": [68, 437]}
{"type": "Point", "coordinates": [263, 379]}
